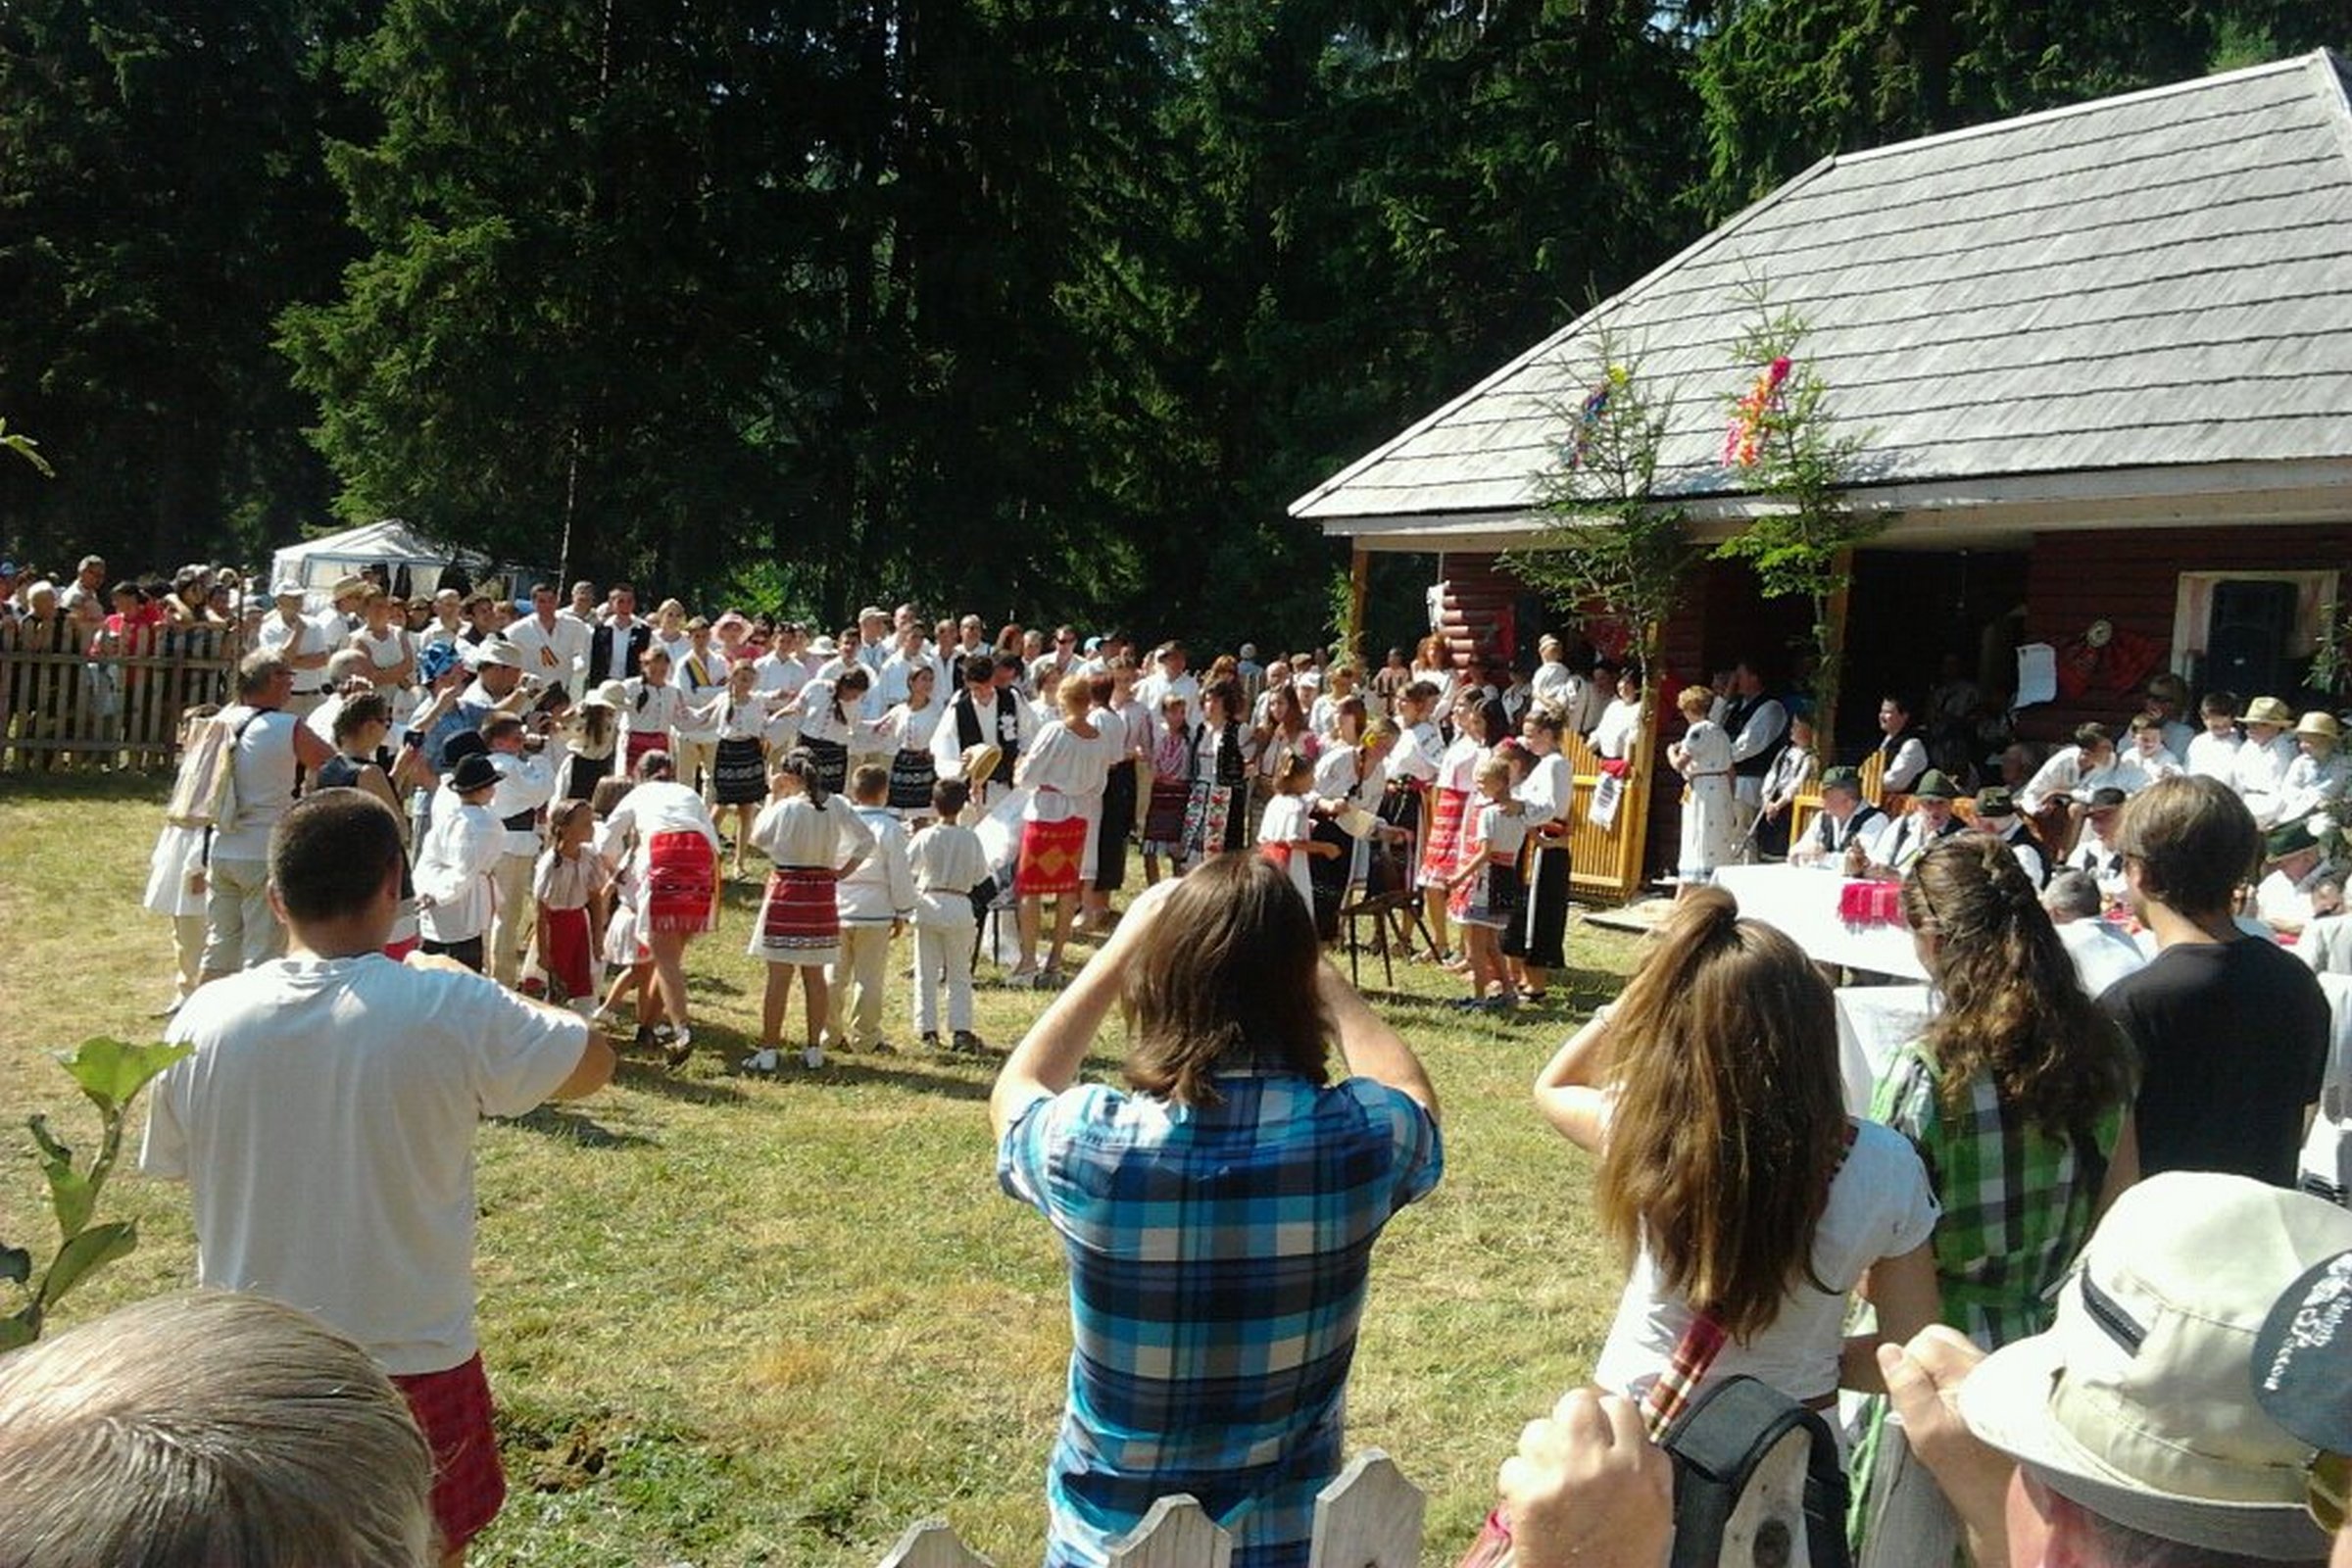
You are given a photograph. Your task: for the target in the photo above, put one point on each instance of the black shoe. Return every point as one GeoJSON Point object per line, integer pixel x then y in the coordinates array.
{"type": "Point", "coordinates": [967, 1040]}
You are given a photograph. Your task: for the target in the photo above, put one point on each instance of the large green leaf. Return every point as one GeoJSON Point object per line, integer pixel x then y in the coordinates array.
{"type": "Point", "coordinates": [112, 1073]}
{"type": "Point", "coordinates": [99, 1245]}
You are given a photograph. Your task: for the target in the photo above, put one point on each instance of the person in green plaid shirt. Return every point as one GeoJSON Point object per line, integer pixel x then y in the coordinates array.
{"type": "Point", "coordinates": [2018, 1097]}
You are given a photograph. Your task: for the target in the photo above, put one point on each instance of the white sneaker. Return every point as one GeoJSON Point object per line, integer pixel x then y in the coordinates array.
{"type": "Point", "coordinates": [759, 1061]}
{"type": "Point", "coordinates": [813, 1057]}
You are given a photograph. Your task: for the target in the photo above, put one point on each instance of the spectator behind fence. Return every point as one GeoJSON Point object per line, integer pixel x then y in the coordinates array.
{"type": "Point", "coordinates": [324, 1126]}
{"type": "Point", "coordinates": [207, 1427]}
{"type": "Point", "coordinates": [1749, 1202]}
{"type": "Point", "coordinates": [1217, 1216]}
{"type": "Point", "coordinates": [2231, 1030]}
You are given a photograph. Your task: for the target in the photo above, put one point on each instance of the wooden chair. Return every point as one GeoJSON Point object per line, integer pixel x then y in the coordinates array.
{"type": "Point", "coordinates": [1396, 915]}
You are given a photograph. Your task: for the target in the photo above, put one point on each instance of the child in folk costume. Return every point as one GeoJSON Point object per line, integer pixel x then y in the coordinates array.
{"type": "Point", "coordinates": [2213, 754]}
{"type": "Point", "coordinates": [456, 866]}
{"type": "Point", "coordinates": [1215, 813]}
{"type": "Point", "coordinates": [830, 722]}
{"type": "Point", "coordinates": [1535, 944]}
{"type": "Point", "coordinates": [948, 862]}
{"type": "Point", "coordinates": [1285, 834]}
{"type": "Point", "coordinates": [1710, 820]}
{"type": "Point", "coordinates": [175, 870]}
{"type": "Point", "coordinates": [876, 899]}
{"type": "Point", "coordinates": [625, 955]}
{"type": "Point", "coordinates": [568, 885]}
{"type": "Point", "coordinates": [1129, 723]}
{"type": "Point", "coordinates": [1485, 893]}
{"type": "Point", "coordinates": [1171, 758]}
{"type": "Point", "coordinates": [908, 730]}
{"type": "Point", "coordinates": [1413, 766]}
{"type": "Point", "coordinates": [1063, 769]}
{"type": "Point", "coordinates": [1450, 801]}
{"type": "Point", "coordinates": [677, 865]}
{"type": "Point", "coordinates": [740, 718]}
{"type": "Point", "coordinates": [653, 707]}
{"type": "Point", "coordinates": [1337, 788]}
{"type": "Point", "coordinates": [592, 739]}
{"type": "Point", "coordinates": [810, 837]}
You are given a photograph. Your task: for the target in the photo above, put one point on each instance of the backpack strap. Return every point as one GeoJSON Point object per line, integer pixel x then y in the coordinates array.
{"type": "Point", "coordinates": [1720, 1445]}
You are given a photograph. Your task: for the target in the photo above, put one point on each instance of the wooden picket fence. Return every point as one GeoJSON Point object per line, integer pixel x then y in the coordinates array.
{"type": "Point", "coordinates": [62, 708]}
{"type": "Point", "coordinates": [1369, 1517]}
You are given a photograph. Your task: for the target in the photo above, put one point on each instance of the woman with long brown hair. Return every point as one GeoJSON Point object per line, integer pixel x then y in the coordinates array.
{"type": "Point", "coordinates": [2018, 1095]}
{"type": "Point", "coordinates": [1750, 1203]}
{"type": "Point", "coordinates": [1217, 1214]}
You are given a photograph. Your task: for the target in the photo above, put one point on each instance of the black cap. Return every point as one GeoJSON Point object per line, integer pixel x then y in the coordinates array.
{"type": "Point", "coordinates": [2302, 1361]}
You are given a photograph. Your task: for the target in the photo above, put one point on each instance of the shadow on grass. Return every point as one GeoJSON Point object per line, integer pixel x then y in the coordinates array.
{"type": "Point", "coordinates": [902, 1072]}
{"type": "Point", "coordinates": [653, 1078]}
{"type": "Point", "coordinates": [577, 1127]}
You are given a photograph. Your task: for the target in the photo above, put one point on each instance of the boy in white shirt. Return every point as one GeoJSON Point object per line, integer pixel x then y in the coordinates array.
{"type": "Point", "coordinates": [947, 861]}
{"type": "Point", "coordinates": [876, 901]}
{"type": "Point", "coordinates": [2213, 754]}
{"type": "Point", "coordinates": [457, 890]}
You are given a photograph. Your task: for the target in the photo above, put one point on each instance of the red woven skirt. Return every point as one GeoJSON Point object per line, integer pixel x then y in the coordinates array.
{"type": "Point", "coordinates": [1053, 856]}
{"type": "Point", "coordinates": [453, 1409]}
{"type": "Point", "coordinates": [1442, 853]}
{"type": "Point", "coordinates": [800, 922]}
{"type": "Point", "coordinates": [681, 882]}
{"type": "Point", "coordinates": [565, 951]}
{"type": "Point", "coordinates": [641, 742]}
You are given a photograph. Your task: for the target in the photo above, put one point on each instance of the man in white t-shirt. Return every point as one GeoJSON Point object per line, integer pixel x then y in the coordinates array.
{"type": "Point", "coordinates": [324, 1126]}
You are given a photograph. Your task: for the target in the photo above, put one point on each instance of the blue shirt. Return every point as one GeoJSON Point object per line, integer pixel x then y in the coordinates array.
{"type": "Point", "coordinates": [1218, 1256]}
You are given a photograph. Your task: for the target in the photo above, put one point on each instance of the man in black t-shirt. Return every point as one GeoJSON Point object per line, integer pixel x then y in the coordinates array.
{"type": "Point", "coordinates": [2233, 1032]}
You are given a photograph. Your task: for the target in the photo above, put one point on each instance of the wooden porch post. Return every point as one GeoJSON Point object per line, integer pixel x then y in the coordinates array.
{"type": "Point", "coordinates": [1359, 585]}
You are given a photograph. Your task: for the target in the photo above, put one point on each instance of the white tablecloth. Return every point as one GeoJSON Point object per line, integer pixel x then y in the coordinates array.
{"type": "Point", "coordinates": [1802, 901]}
{"type": "Point", "coordinates": [1873, 1022]}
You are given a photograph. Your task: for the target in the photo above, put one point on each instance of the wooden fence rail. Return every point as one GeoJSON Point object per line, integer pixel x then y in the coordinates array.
{"type": "Point", "coordinates": [1369, 1517]}
{"type": "Point", "coordinates": [58, 708]}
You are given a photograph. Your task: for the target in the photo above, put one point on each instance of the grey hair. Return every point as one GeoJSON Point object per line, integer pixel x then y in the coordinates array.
{"type": "Point", "coordinates": [2074, 895]}
{"type": "Point", "coordinates": [256, 671]}
{"type": "Point", "coordinates": [204, 1428]}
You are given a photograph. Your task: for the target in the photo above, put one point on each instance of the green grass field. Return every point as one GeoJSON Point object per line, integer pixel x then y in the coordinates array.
{"type": "Point", "coordinates": [736, 1321]}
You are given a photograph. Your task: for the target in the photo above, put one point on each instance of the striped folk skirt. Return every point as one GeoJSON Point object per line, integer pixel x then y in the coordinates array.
{"type": "Point", "coordinates": [800, 922]}
{"type": "Point", "coordinates": [912, 775]}
{"type": "Point", "coordinates": [1053, 858]}
{"type": "Point", "coordinates": [832, 759]}
{"type": "Point", "coordinates": [1441, 847]}
{"type": "Point", "coordinates": [681, 883]}
{"type": "Point", "coordinates": [739, 772]}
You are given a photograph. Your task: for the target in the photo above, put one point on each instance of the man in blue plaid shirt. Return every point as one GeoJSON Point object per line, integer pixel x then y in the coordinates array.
{"type": "Point", "coordinates": [1217, 1220]}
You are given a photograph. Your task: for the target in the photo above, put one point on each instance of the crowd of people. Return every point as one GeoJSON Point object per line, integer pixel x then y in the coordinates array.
{"type": "Point", "coordinates": [2054, 1173]}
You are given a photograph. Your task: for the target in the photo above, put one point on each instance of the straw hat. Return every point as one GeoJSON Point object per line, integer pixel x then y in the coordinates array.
{"type": "Point", "coordinates": [2319, 723]}
{"type": "Point", "coordinates": [609, 694]}
{"type": "Point", "coordinates": [980, 764]}
{"type": "Point", "coordinates": [2268, 711]}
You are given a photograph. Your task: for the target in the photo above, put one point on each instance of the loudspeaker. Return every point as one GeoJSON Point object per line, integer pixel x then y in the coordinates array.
{"type": "Point", "coordinates": [2245, 643]}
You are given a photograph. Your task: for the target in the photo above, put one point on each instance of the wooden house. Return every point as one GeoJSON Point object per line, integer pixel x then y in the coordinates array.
{"type": "Point", "coordinates": [2098, 362]}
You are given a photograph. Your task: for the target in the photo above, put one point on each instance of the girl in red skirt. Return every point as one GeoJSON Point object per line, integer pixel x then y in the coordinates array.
{"type": "Point", "coordinates": [1063, 769]}
{"type": "Point", "coordinates": [810, 837]}
{"type": "Point", "coordinates": [568, 886]}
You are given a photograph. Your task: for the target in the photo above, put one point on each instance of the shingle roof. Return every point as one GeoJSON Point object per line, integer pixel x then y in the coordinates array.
{"type": "Point", "coordinates": [2161, 278]}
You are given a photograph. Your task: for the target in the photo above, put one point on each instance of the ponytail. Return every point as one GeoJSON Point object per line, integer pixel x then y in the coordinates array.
{"type": "Point", "coordinates": [800, 764]}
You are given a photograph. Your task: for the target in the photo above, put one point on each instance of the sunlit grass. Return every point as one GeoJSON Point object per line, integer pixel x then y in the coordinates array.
{"type": "Point", "coordinates": [732, 1321]}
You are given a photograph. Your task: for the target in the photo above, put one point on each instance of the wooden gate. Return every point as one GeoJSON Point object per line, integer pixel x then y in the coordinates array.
{"type": "Point", "coordinates": [1606, 864]}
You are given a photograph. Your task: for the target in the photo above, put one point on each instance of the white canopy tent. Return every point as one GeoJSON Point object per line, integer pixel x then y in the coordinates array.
{"type": "Point", "coordinates": [410, 562]}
